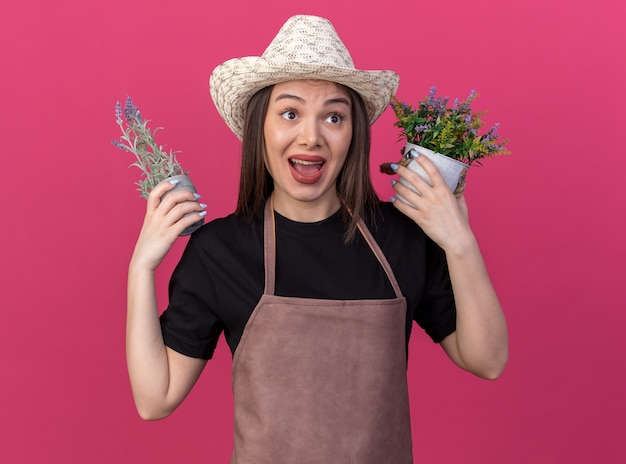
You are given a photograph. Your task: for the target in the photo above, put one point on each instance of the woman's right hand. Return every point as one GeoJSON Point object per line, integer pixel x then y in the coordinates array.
{"type": "Point", "coordinates": [165, 220]}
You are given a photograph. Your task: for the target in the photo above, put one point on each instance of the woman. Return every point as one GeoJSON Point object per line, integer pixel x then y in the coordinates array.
{"type": "Point", "coordinates": [314, 282]}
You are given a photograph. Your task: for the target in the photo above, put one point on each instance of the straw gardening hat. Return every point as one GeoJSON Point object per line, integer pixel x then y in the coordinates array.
{"type": "Point", "coordinates": [306, 47]}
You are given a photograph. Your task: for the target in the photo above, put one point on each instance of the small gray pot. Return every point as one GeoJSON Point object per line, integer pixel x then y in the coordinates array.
{"type": "Point", "coordinates": [453, 171]}
{"type": "Point", "coordinates": [184, 183]}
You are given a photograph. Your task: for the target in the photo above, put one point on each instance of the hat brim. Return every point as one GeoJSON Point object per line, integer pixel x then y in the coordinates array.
{"type": "Point", "coordinates": [234, 82]}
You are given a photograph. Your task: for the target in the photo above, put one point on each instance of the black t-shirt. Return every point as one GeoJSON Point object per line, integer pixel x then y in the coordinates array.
{"type": "Point", "coordinates": [220, 277]}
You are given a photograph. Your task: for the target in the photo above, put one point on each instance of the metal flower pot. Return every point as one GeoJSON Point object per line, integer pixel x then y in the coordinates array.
{"type": "Point", "coordinates": [185, 183]}
{"type": "Point", "coordinates": [453, 171]}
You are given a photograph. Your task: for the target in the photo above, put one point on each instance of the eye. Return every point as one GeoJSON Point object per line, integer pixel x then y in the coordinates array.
{"type": "Point", "coordinates": [289, 115]}
{"type": "Point", "coordinates": [335, 118]}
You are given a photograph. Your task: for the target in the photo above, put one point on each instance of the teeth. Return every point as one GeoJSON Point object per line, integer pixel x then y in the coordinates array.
{"type": "Point", "coordinates": [305, 163]}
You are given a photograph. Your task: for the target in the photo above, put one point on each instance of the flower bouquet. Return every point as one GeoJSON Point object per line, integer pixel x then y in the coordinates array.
{"type": "Point", "coordinates": [449, 136]}
{"type": "Point", "coordinates": [155, 164]}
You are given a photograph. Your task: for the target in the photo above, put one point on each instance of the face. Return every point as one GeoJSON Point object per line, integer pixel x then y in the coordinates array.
{"type": "Point", "coordinates": [308, 130]}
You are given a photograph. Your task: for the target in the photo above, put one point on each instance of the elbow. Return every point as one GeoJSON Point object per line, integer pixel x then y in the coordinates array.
{"type": "Point", "coordinates": [151, 415]}
{"type": "Point", "coordinates": [493, 374]}
{"type": "Point", "coordinates": [495, 369]}
{"type": "Point", "coordinates": [152, 412]}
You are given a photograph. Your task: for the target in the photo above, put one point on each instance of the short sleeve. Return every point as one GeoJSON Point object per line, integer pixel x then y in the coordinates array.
{"type": "Point", "coordinates": [436, 310]}
{"type": "Point", "coordinates": [189, 326]}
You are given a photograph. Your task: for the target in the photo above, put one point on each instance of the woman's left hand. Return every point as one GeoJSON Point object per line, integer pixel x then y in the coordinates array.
{"type": "Point", "coordinates": [440, 214]}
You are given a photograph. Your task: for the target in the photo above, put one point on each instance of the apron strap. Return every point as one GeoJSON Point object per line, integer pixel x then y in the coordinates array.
{"type": "Point", "coordinates": [269, 232]}
{"type": "Point", "coordinates": [380, 256]}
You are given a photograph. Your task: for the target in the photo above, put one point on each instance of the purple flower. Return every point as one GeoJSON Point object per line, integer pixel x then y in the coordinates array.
{"type": "Point", "coordinates": [492, 134]}
{"type": "Point", "coordinates": [131, 111]}
{"type": "Point", "coordinates": [118, 112]}
{"type": "Point", "coordinates": [466, 103]}
{"type": "Point", "coordinates": [442, 103]}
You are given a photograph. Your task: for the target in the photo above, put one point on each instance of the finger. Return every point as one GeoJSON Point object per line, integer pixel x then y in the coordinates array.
{"type": "Point", "coordinates": [156, 194]}
{"type": "Point", "coordinates": [414, 179]}
{"type": "Point", "coordinates": [171, 198]}
{"type": "Point", "coordinates": [407, 193]}
{"type": "Point", "coordinates": [430, 168]}
{"type": "Point", "coordinates": [189, 219]}
{"type": "Point", "coordinates": [403, 206]}
{"type": "Point", "coordinates": [181, 210]}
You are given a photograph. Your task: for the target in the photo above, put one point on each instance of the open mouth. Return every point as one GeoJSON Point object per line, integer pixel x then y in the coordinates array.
{"type": "Point", "coordinates": [307, 169]}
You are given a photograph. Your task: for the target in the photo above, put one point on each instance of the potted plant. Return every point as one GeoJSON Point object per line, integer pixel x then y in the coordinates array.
{"type": "Point", "coordinates": [155, 164]}
{"type": "Point", "coordinates": [448, 136]}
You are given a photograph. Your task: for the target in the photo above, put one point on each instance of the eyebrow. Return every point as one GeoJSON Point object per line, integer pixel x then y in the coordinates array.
{"type": "Point", "coordinates": [287, 96]}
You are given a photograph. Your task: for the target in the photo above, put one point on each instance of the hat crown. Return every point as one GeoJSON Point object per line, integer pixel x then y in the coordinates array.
{"type": "Point", "coordinates": [309, 40]}
{"type": "Point", "coordinates": [306, 47]}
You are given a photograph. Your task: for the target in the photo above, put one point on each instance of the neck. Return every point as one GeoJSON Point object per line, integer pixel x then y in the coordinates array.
{"type": "Point", "coordinates": [306, 211]}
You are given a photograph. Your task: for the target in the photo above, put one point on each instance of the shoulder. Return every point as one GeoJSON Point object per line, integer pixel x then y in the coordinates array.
{"type": "Point", "coordinates": [226, 228]}
{"type": "Point", "coordinates": [390, 226]}
{"type": "Point", "coordinates": [232, 235]}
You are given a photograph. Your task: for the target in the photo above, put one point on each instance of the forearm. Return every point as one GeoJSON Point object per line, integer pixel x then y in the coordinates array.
{"type": "Point", "coordinates": [481, 337]}
{"type": "Point", "coordinates": [146, 354]}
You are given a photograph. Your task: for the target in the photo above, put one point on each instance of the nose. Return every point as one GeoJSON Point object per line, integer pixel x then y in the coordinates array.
{"type": "Point", "coordinates": [310, 133]}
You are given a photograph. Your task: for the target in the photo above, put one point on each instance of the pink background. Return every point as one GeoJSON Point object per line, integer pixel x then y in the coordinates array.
{"type": "Point", "coordinates": [550, 218]}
